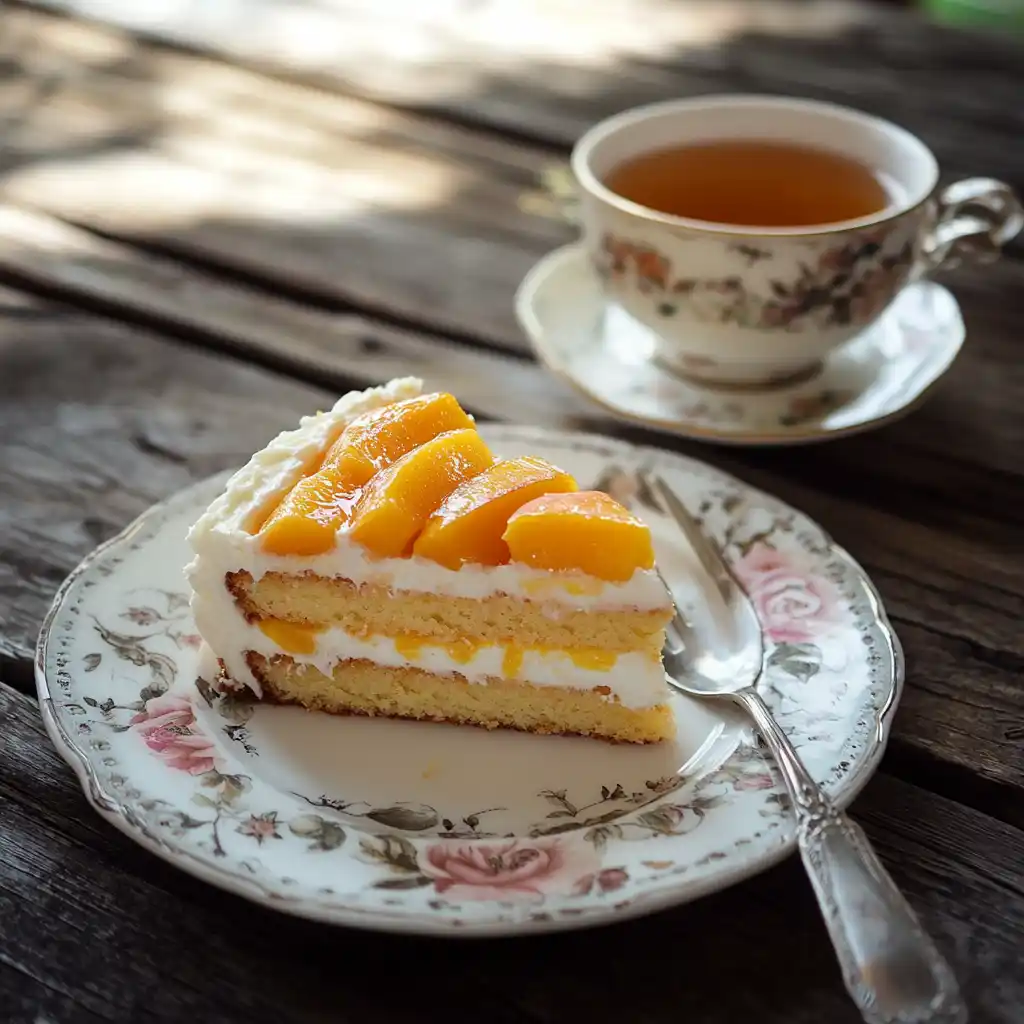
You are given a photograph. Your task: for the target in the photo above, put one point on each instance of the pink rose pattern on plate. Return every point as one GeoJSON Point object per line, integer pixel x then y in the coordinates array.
{"type": "Point", "coordinates": [168, 725]}
{"type": "Point", "coordinates": [793, 605]}
{"type": "Point", "coordinates": [513, 869]}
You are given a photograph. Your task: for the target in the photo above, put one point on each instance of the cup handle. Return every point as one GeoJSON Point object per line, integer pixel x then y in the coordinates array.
{"type": "Point", "coordinates": [977, 217]}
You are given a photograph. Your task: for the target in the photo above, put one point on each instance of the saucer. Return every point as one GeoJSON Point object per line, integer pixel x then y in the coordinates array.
{"type": "Point", "coordinates": [880, 375]}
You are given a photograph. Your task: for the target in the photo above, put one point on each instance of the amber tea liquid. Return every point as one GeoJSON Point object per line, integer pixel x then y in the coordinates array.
{"type": "Point", "coordinates": [751, 183]}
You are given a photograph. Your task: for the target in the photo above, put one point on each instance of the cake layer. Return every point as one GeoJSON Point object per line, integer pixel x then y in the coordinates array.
{"type": "Point", "coordinates": [373, 609]}
{"type": "Point", "coordinates": [362, 687]}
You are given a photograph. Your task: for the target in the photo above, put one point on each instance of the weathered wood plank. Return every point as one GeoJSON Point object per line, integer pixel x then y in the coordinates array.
{"type": "Point", "coordinates": [25, 1000]}
{"type": "Point", "coordinates": [551, 69]}
{"type": "Point", "coordinates": [67, 875]}
{"type": "Point", "coordinates": [311, 191]}
{"type": "Point", "coordinates": [130, 418]}
{"type": "Point", "coordinates": [331, 348]}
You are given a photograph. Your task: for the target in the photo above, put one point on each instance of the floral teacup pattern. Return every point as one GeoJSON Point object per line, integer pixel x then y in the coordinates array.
{"type": "Point", "coordinates": [750, 310]}
{"type": "Point", "coordinates": [847, 284]}
{"type": "Point", "coordinates": [207, 776]}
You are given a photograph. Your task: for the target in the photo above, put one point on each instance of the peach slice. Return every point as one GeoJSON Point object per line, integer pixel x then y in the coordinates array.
{"type": "Point", "coordinates": [469, 524]}
{"type": "Point", "coordinates": [586, 531]}
{"type": "Point", "coordinates": [305, 521]}
{"type": "Point", "coordinates": [307, 518]}
{"type": "Point", "coordinates": [397, 502]}
{"type": "Point", "coordinates": [290, 637]}
{"type": "Point", "coordinates": [378, 438]}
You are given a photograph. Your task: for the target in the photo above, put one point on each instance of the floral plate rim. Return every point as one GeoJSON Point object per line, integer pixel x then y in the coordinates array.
{"type": "Point", "coordinates": [382, 918]}
{"type": "Point", "coordinates": [563, 258]}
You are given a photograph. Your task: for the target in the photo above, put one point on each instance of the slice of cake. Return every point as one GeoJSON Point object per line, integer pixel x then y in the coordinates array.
{"type": "Point", "coordinates": [382, 560]}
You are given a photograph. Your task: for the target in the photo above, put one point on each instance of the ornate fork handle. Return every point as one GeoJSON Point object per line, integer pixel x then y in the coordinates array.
{"type": "Point", "coordinates": [890, 966]}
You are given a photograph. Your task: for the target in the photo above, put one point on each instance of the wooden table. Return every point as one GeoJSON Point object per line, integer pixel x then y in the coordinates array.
{"type": "Point", "coordinates": [214, 220]}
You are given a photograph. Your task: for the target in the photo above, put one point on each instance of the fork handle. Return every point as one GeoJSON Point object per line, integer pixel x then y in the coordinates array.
{"type": "Point", "coordinates": [890, 966]}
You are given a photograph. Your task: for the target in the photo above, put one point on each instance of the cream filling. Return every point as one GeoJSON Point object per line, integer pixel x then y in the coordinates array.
{"type": "Point", "coordinates": [634, 679]}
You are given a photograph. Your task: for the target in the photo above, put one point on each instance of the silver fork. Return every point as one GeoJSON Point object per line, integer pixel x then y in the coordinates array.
{"type": "Point", "coordinates": [891, 968]}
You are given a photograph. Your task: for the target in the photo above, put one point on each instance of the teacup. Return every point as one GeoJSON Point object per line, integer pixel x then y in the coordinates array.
{"type": "Point", "coordinates": [734, 305]}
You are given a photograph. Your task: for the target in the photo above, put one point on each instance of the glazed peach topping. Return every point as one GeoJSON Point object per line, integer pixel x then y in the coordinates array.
{"type": "Point", "coordinates": [586, 530]}
{"type": "Point", "coordinates": [470, 522]}
{"type": "Point", "coordinates": [307, 519]}
{"type": "Point", "coordinates": [415, 477]}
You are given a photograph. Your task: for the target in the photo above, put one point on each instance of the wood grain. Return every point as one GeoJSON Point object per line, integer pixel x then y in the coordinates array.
{"type": "Point", "coordinates": [26, 1000]}
{"type": "Point", "coordinates": [551, 70]}
{"type": "Point", "coordinates": [311, 193]}
{"type": "Point", "coordinates": [99, 421]}
{"type": "Point", "coordinates": [329, 348]}
{"type": "Point", "coordinates": [173, 947]}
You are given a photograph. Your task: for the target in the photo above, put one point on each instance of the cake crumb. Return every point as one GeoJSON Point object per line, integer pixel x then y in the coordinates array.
{"type": "Point", "coordinates": [433, 767]}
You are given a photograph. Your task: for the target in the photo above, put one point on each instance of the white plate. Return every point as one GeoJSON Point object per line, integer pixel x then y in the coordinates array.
{"type": "Point", "coordinates": [430, 828]}
{"type": "Point", "coordinates": [600, 350]}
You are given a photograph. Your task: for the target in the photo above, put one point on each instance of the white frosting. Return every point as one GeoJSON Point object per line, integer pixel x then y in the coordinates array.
{"type": "Point", "coordinates": [223, 542]}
